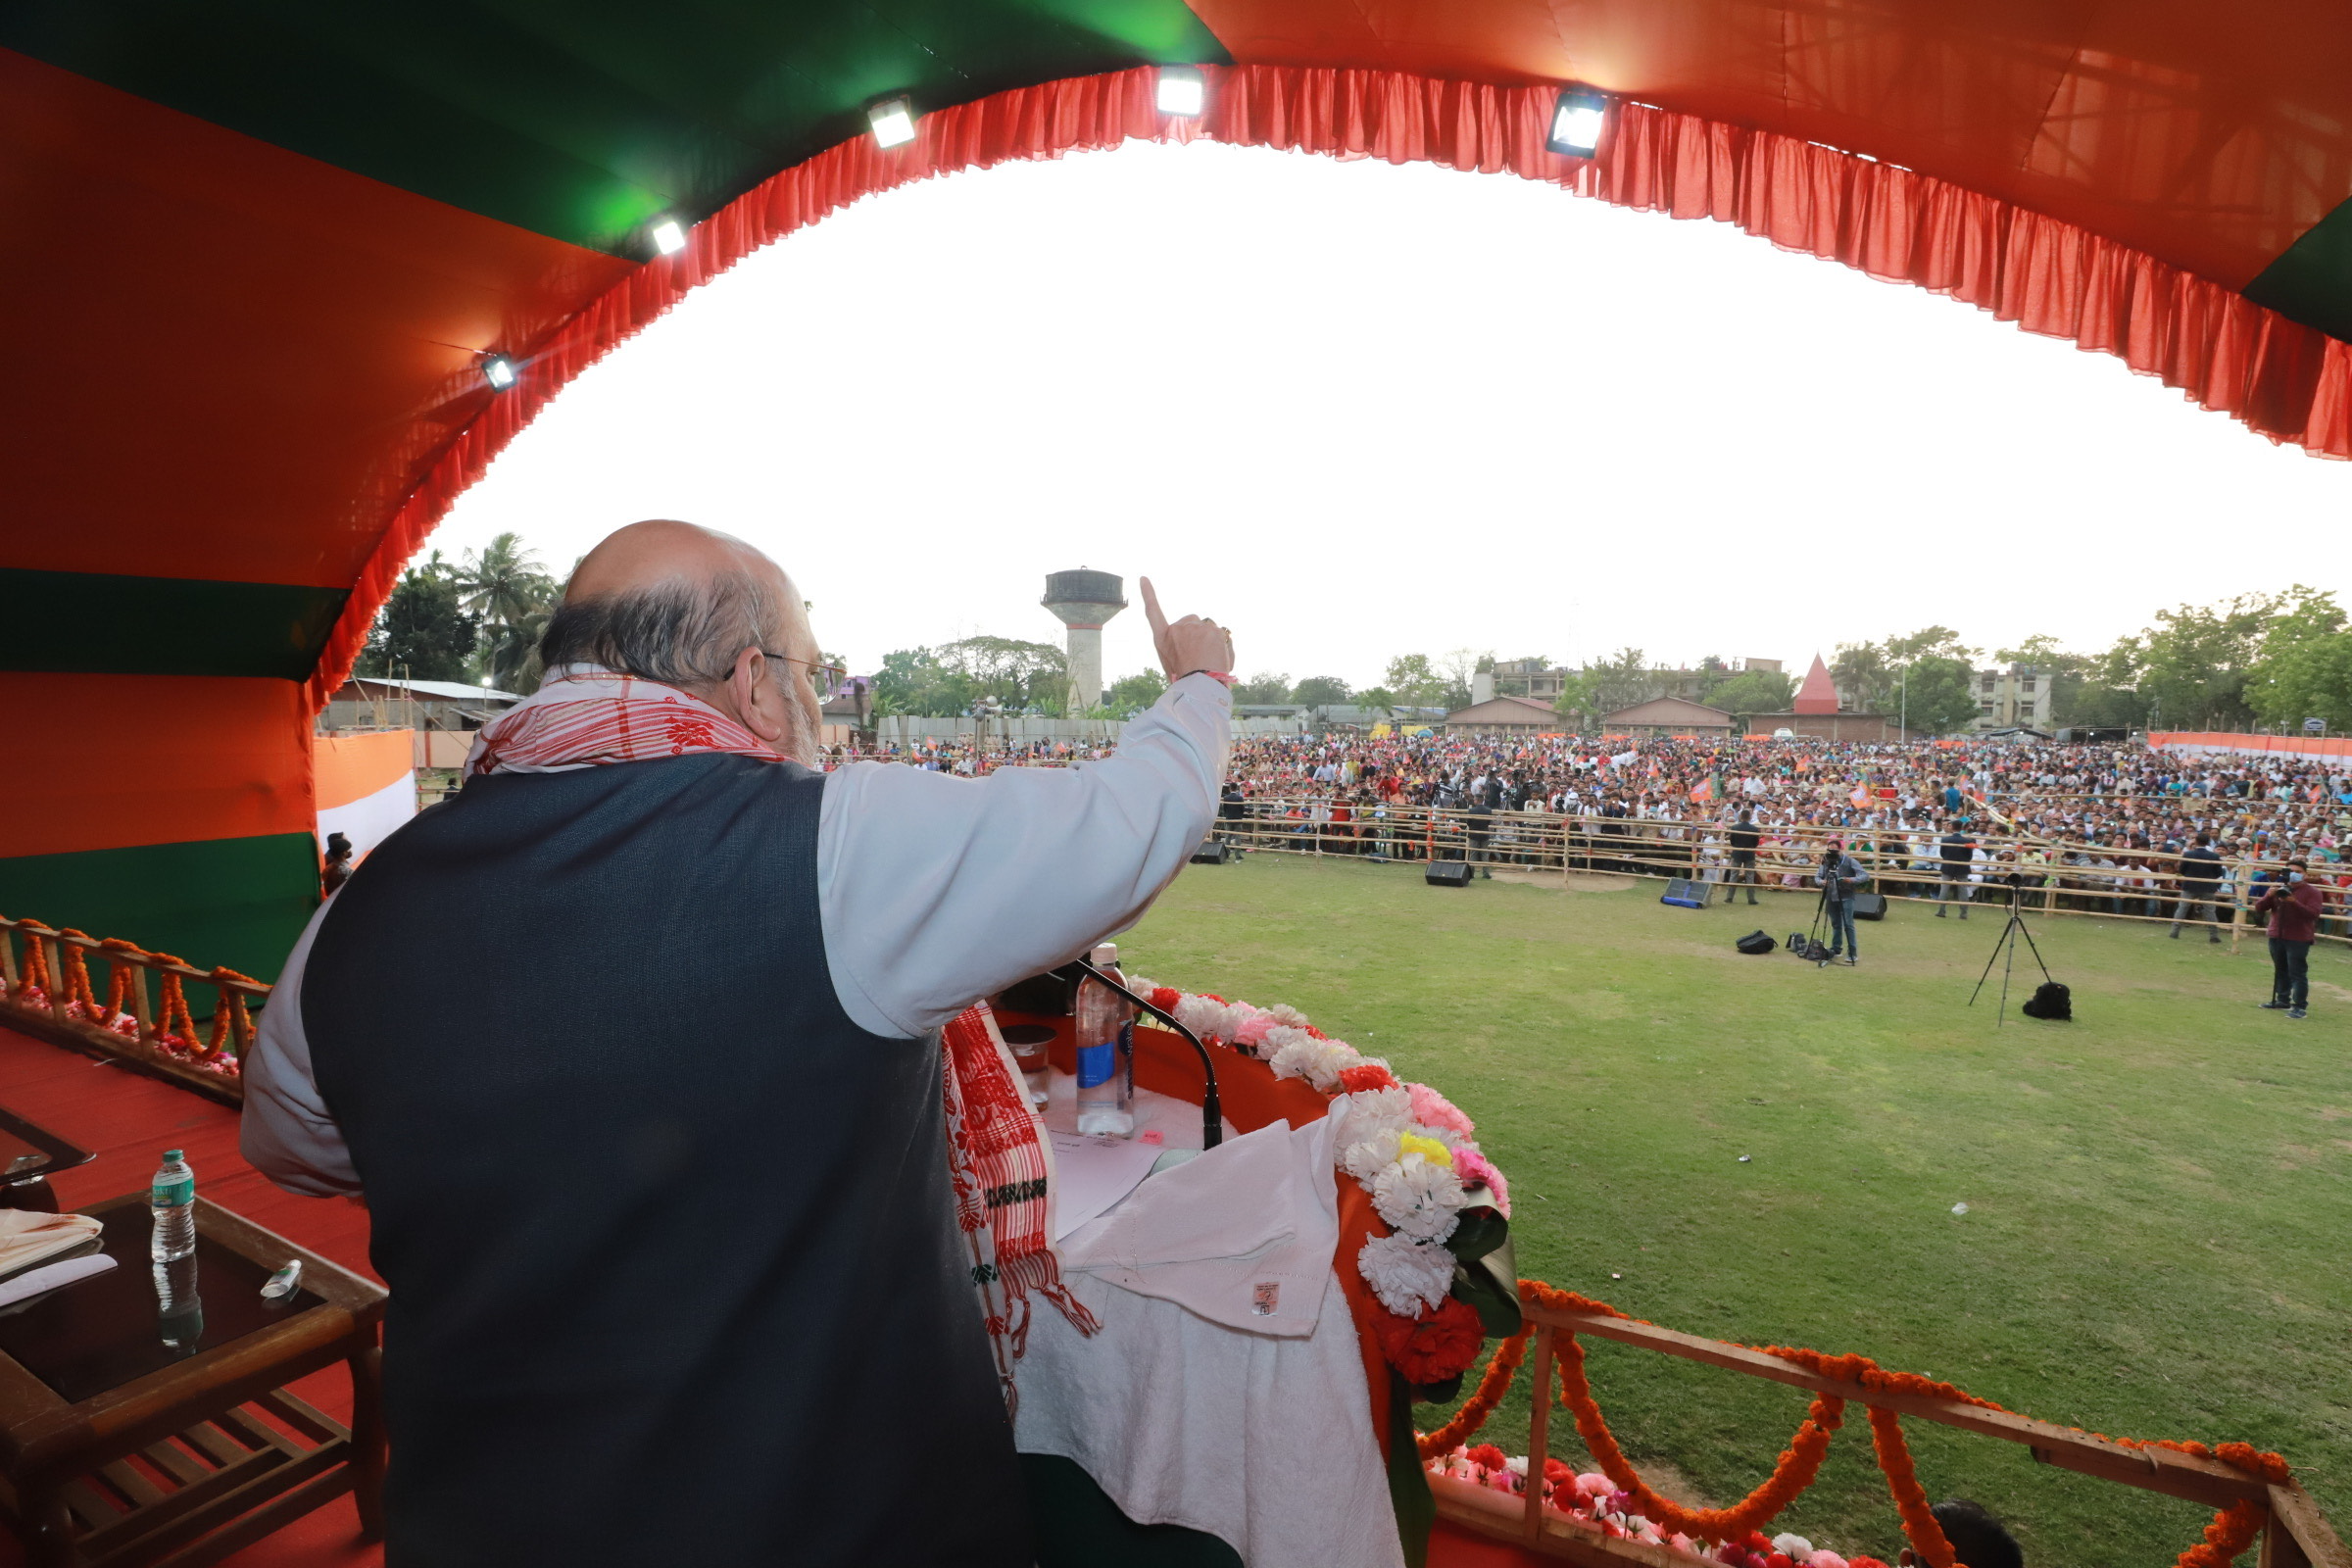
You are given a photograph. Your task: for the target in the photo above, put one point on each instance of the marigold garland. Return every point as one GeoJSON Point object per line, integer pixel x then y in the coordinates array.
{"type": "Point", "coordinates": [1503, 1369]}
{"type": "Point", "coordinates": [227, 1004]}
{"type": "Point", "coordinates": [2231, 1532]}
{"type": "Point", "coordinates": [2226, 1537]}
{"type": "Point", "coordinates": [118, 978]}
{"type": "Point", "coordinates": [1927, 1537]}
{"type": "Point", "coordinates": [174, 1020]}
{"type": "Point", "coordinates": [37, 964]}
{"type": "Point", "coordinates": [1792, 1473]}
{"type": "Point", "coordinates": [76, 988]}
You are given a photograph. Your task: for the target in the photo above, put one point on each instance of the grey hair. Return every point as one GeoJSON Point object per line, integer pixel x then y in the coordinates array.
{"type": "Point", "coordinates": [676, 632]}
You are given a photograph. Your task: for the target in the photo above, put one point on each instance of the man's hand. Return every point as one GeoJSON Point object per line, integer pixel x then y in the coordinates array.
{"type": "Point", "coordinates": [1188, 645]}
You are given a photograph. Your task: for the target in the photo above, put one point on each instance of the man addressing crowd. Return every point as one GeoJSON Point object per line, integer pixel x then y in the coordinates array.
{"type": "Point", "coordinates": [631, 1049]}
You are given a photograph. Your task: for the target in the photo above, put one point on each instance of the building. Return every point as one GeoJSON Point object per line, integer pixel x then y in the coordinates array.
{"type": "Point", "coordinates": [2016, 698]}
{"type": "Point", "coordinates": [1506, 716]}
{"type": "Point", "coordinates": [1820, 714]}
{"type": "Point", "coordinates": [1532, 679]}
{"type": "Point", "coordinates": [443, 713]}
{"type": "Point", "coordinates": [1670, 715]}
{"type": "Point", "coordinates": [378, 701]}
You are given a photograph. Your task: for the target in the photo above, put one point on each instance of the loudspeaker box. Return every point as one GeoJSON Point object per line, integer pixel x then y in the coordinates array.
{"type": "Point", "coordinates": [1448, 875]}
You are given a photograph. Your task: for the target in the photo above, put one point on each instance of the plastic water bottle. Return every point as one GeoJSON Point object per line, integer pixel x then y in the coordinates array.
{"type": "Point", "coordinates": [1106, 1026]}
{"type": "Point", "coordinates": [172, 1204]}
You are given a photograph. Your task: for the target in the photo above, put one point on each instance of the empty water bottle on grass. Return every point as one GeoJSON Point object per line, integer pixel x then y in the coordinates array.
{"type": "Point", "coordinates": [1106, 1027]}
{"type": "Point", "coordinates": [172, 1204]}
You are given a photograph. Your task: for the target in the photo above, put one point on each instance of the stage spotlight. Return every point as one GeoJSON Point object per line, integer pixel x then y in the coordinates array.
{"type": "Point", "coordinates": [669, 236]}
{"type": "Point", "coordinates": [499, 372]}
{"type": "Point", "coordinates": [893, 120]}
{"type": "Point", "coordinates": [1182, 91]}
{"type": "Point", "coordinates": [1577, 122]}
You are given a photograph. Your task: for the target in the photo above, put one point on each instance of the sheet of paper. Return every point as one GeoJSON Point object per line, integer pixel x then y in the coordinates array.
{"type": "Point", "coordinates": [37, 1281]}
{"type": "Point", "coordinates": [1091, 1174]}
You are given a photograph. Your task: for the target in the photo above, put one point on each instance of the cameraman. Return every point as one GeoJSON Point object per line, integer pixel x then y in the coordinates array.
{"type": "Point", "coordinates": [1959, 855]}
{"type": "Point", "coordinates": [1840, 875]}
{"type": "Point", "coordinates": [2200, 879]}
{"type": "Point", "coordinates": [1744, 836]}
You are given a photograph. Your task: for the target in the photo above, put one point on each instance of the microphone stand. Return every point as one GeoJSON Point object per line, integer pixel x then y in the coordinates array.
{"type": "Point", "coordinates": [1212, 1120]}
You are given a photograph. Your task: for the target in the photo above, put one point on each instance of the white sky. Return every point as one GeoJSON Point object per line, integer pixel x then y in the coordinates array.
{"type": "Point", "coordinates": [1353, 411]}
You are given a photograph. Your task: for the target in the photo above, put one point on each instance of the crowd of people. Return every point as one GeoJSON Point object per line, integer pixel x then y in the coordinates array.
{"type": "Point", "coordinates": [2116, 829]}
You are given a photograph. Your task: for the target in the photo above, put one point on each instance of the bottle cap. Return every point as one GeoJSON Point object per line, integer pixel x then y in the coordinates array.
{"type": "Point", "coordinates": [171, 1156]}
{"type": "Point", "coordinates": [1105, 952]}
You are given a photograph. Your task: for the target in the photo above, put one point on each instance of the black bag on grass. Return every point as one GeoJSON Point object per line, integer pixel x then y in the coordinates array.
{"type": "Point", "coordinates": [2050, 1000]}
{"type": "Point", "coordinates": [1755, 942]}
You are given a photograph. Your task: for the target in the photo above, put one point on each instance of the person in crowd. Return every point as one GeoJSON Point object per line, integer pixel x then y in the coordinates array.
{"type": "Point", "coordinates": [1744, 838]}
{"type": "Point", "coordinates": [2293, 905]}
{"type": "Point", "coordinates": [1481, 822]}
{"type": "Point", "coordinates": [2199, 876]}
{"type": "Point", "coordinates": [337, 869]}
{"type": "Point", "coordinates": [1839, 879]}
{"type": "Point", "coordinates": [1958, 853]}
{"type": "Point", "coordinates": [1232, 806]}
{"type": "Point", "coordinates": [1976, 1537]}
{"type": "Point", "coordinates": [632, 1245]}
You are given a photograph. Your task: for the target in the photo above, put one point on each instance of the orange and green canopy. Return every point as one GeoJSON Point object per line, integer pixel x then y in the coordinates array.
{"type": "Point", "coordinates": [258, 250]}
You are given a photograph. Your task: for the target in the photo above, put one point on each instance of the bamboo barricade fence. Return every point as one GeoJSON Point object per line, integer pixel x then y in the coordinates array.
{"type": "Point", "coordinates": [1789, 856]}
{"type": "Point", "coordinates": [143, 1018]}
{"type": "Point", "coordinates": [2293, 1532]}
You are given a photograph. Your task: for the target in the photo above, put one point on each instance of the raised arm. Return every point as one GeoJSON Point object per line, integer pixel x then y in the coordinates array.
{"type": "Point", "coordinates": [936, 890]}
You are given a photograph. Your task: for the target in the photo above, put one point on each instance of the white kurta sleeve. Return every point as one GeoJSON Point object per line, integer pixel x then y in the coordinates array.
{"type": "Point", "coordinates": [288, 1134]}
{"type": "Point", "coordinates": [935, 891]}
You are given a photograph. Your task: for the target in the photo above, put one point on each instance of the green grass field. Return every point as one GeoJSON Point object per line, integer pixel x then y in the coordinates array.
{"type": "Point", "coordinates": [2159, 1194]}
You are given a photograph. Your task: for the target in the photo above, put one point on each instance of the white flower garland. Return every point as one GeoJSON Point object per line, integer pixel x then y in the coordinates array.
{"type": "Point", "coordinates": [1421, 1173]}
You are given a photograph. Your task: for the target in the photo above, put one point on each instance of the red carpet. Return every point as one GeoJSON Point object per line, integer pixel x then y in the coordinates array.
{"type": "Point", "coordinates": [131, 1121]}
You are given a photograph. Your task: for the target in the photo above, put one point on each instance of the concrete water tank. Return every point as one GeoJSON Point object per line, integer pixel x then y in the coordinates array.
{"type": "Point", "coordinates": [1083, 600]}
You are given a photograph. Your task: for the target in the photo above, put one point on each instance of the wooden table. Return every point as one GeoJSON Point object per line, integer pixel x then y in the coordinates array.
{"type": "Point", "coordinates": [131, 1438]}
{"type": "Point", "coordinates": [29, 1154]}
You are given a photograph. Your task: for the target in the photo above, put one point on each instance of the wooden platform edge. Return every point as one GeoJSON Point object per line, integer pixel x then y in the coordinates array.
{"type": "Point", "coordinates": [2151, 1469]}
{"type": "Point", "coordinates": [107, 1045]}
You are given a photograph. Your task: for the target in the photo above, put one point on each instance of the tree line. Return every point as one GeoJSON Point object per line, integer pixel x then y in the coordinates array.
{"type": "Point", "coordinates": [474, 619]}
{"type": "Point", "coordinates": [2258, 659]}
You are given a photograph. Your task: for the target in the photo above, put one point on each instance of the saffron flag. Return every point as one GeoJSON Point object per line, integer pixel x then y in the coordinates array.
{"type": "Point", "coordinates": [1704, 791]}
{"type": "Point", "coordinates": [1860, 797]}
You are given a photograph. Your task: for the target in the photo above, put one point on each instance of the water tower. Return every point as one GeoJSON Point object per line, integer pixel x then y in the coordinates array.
{"type": "Point", "coordinates": [1083, 601]}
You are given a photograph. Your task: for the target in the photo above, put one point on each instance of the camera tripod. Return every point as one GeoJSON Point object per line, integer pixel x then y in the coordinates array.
{"type": "Point", "coordinates": [2004, 953]}
{"type": "Point", "coordinates": [1814, 948]}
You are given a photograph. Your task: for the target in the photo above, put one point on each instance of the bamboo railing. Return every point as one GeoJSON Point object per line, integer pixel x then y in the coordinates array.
{"type": "Point", "coordinates": [47, 989]}
{"type": "Point", "coordinates": [1791, 854]}
{"type": "Point", "coordinates": [2293, 1532]}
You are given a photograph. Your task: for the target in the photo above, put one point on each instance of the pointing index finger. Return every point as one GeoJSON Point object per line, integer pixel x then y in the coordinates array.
{"type": "Point", "coordinates": [1160, 622]}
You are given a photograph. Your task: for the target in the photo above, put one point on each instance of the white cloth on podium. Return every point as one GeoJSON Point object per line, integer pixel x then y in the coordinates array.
{"type": "Point", "coordinates": [1225, 1392]}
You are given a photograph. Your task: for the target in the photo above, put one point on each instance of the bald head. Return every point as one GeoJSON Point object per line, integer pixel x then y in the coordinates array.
{"type": "Point", "coordinates": [675, 603]}
{"type": "Point", "coordinates": [661, 550]}
{"type": "Point", "coordinates": [699, 610]}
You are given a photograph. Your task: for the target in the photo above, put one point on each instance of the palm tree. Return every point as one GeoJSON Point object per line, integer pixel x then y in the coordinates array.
{"type": "Point", "coordinates": [505, 587]}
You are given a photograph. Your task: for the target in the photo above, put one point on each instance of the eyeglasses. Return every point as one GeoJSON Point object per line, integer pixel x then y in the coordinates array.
{"type": "Point", "coordinates": [823, 679]}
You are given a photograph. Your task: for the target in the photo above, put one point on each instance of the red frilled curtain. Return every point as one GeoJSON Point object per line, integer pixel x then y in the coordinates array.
{"type": "Point", "coordinates": [2286, 381]}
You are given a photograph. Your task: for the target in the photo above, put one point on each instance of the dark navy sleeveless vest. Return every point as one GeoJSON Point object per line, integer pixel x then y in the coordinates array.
{"type": "Point", "coordinates": [676, 1275]}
